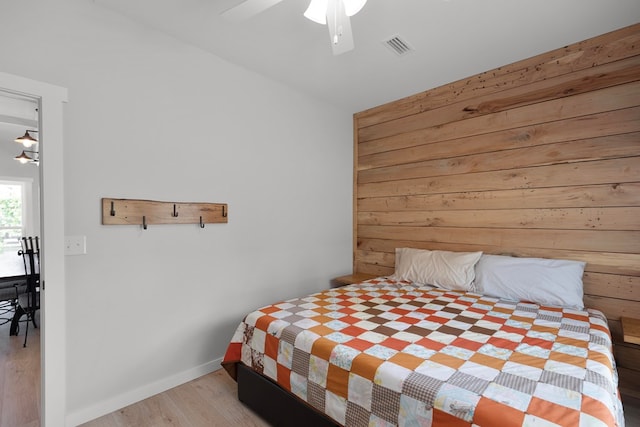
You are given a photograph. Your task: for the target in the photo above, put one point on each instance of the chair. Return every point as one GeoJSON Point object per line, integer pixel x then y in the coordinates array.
{"type": "Point", "coordinates": [29, 301]}
{"type": "Point", "coordinates": [10, 287]}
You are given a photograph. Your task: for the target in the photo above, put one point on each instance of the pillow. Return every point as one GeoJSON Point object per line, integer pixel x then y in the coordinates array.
{"type": "Point", "coordinates": [542, 281]}
{"type": "Point", "coordinates": [449, 270]}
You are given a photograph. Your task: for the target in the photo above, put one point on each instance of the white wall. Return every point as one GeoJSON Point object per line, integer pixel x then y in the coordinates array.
{"type": "Point", "coordinates": [149, 117]}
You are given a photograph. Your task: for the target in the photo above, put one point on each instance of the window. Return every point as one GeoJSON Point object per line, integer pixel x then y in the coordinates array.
{"type": "Point", "coordinates": [14, 223]}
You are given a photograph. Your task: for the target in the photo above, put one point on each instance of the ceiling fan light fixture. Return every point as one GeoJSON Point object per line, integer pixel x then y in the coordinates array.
{"type": "Point", "coordinates": [318, 9]}
{"type": "Point", "coordinates": [351, 7]}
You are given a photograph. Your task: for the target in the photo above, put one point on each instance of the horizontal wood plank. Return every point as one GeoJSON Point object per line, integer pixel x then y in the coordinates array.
{"type": "Point", "coordinates": [587, 196]}
{"type": "Point", "coordinates": [614, 171]}
{"type": "Point", "coordinates": [613, 308]}
{"type": "Point", "coordinates": [438, 144]}
{"type": "Point", "coordinates": [612, 285]}
{"type": "Point", "coordinates": [607, 147]}
{"type": "Point", "coordinates": [580, 240]}
{"type": "Point", "coordinates": [567, 219]}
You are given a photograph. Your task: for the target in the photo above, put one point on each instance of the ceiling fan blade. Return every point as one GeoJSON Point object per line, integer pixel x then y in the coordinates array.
{"type": "Point", "coordinates": [248, 9]}
{"type": "Point", "coordinates": [339, 28]}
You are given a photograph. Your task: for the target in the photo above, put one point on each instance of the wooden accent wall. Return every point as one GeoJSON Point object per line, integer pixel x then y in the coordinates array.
{"type": "Point", "coordinates": [539, 158]}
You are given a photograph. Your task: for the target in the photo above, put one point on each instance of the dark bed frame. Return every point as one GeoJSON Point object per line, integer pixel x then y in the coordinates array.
{"type": "Point", "coordinates": [274, 404]}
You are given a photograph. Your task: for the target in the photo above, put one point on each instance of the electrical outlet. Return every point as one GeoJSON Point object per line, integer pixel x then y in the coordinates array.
{"type": "Point", "coordinates": [75, 245]}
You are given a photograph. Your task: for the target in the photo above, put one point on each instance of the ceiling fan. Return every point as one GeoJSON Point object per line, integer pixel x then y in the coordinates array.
{"type": "Point", "coordinates": [333, 13]}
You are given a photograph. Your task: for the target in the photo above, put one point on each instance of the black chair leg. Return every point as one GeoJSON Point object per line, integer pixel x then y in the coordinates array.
{"type": "Point", "coordinates": [26, 331]}
{"type": "Point", "coordinates": [15, 322]}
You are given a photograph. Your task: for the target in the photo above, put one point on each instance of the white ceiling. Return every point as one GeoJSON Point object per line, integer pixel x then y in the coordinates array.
{"type": "Point", "coordinates": [453, 39]}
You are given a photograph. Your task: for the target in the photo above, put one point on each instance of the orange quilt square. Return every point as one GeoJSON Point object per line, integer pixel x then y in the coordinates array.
{"type": "Point", "coordinates": [547, 329]}
{"type": "Point", "coordinates": [599, 357]}
{"type": "Point", "coordinates": [572, 341]}
{"type": "Point", "coordinates": [512, 330]}
{"type": "Point", "coordinates": [263, 322]}
{"type": "Point", "coordinates": [269, 309]}
{"type": "Point", "coordinates": [446, 360]}
{"type": "Point", "coordinates": [400, 311]}
{"type": "Point", "coordinates": [322, 348]}
{"type": "Point", "coordinates": [353, 331]}
{"type": "Point", "coordinates": [271, 346]}
{"type": "Point", "coordinates": [528, 360]}
{"type": "Point", "coordinates": [284, 376]}
{"type": "Point", "coordinates": [502, 343]}
{"type": "Point", "coordinates": [365, 366]}
{"type": "Point", "coordinates": [597, 409]}
{"type": "Point", "coordinates": [321, 330]}
{"type": "Point", "coordinates": [570, 359]}
{"type": "Point", "coordinates": [338, 380]}
{"type": "Point", "coordinates": [322, 319]}
{"type": "Point", "coordinates": [441, 418]}
{"type": "Point", "coordinates": [394, 343]}
{"type": "Point", "coordinates": [359, 344]}
{"type": "Point", "coordinates": [491, 413]}
{"type": "Point", "coordinates": [492, 362]}
{"type": "Point", "coordinates": [465, 343]}
{"type": "Point", "coordinates": [547, 345]}
{"type": "Point", "coordinates": [405, 360]}
{"type": "Point", "coordinates": [550, 411]}
{"type": "Point", "coordinates": [494, 319]}
{"type": "Point", "coordinates": [431, 344]}
{"type": "Point", "coordinates": [576, 316]}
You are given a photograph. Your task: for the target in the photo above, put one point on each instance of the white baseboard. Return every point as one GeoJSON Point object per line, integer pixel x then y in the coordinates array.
{"type": "Point", "coordinates": [125, 399]}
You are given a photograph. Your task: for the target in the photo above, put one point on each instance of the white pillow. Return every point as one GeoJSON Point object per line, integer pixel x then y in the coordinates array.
{"type": "Point", "coordinates": [543, 281]}
{"type": "Point", "coordinates": [449, 270]}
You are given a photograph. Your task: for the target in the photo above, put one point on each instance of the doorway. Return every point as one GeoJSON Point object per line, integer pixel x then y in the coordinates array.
{"type": "Point", "coordinates": [52, 330]}
{"type": "Point", "coordinates": [19, 217]}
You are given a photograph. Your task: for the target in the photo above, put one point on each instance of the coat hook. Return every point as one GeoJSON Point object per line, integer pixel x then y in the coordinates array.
{"type": "Point", "coordinates": [175, 212]}
{"type": "Point", "coordinates": [113, 211]}
{"type": "Point", "coordinates": [144, 222]}
{"type": "Point", "coordinates": [224, 211]}
{"type": "Point", "coordinates": [201, 223]}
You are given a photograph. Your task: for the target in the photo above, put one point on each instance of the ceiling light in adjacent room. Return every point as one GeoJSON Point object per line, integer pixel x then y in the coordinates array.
{"type": "Point", "coordinates": [27, 140]}
{"type": "Point", "coordinates": [25, 158]}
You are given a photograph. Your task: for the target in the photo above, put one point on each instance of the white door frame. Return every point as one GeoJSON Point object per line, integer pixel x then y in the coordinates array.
{"type": "Point", "coordinates": [53, 343]}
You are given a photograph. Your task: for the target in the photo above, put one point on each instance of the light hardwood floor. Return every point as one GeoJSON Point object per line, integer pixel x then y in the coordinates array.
{"type": "Point", "coordinates": [210, 400]}
{"type": "Point", "coordinates": [19, 378]}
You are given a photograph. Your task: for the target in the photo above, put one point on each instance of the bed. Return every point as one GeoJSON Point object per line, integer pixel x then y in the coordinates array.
{"type": "Point", "coordinates": [396, 351]}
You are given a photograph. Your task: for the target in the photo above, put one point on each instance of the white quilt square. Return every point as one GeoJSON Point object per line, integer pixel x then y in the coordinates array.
{"type": "Point", "coordinates": [360, 391]}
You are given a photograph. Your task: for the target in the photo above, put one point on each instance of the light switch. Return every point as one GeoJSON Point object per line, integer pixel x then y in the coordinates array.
{"type": "Point", "coordinates": [75, 245]}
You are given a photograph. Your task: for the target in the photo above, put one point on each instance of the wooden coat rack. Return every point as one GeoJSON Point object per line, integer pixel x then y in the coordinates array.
{"type": "Point", "coordinates": [146, 212]}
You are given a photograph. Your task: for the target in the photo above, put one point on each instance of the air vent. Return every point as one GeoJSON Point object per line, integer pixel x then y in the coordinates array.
{"type": "Point", "coordinates": [398, 45]}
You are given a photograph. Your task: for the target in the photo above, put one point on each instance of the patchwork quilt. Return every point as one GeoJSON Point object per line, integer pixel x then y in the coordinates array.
{"type": "Point", "coordinates": [386, 353]}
